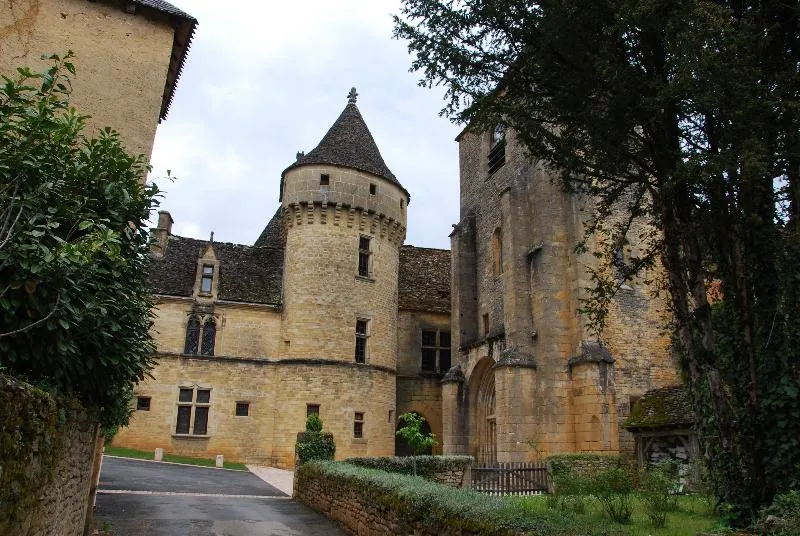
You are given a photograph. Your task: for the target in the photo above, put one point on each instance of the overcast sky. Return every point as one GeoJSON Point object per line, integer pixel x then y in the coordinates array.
{"type": "Point", "coordinates": [264, 80]}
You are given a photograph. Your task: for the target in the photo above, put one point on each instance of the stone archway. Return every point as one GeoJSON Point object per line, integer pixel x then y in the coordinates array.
{"type": "Point", "coordinates": [482, 402]}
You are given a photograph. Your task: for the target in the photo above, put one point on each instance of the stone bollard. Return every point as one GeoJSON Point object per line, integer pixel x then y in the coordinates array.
{"type": "Point", "coordinates": [159, 455]}
{"type": "Point", "coordinates": [220, 459]}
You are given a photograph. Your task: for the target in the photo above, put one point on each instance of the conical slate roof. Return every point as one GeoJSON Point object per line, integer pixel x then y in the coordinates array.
{"type": "Point", "coordinates": [348, 143]}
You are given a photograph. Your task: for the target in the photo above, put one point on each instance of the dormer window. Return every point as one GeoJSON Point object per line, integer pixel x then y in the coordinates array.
{"type": "Point", "coordinates": [207, 279]}
{"type": "Point", "coordinates": [497, 148]}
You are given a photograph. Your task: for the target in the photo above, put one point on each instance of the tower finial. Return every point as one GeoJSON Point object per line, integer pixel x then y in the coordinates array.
{"type": "Point", "coordinates": [352, 96]}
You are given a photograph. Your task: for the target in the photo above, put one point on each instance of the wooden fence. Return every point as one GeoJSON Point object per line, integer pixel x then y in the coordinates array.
{"type": "Point", "coordinates": [510, 478]}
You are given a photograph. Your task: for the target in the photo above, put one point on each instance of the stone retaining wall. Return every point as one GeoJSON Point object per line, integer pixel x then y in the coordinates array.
{"type": "Point", "coordinates": [47, 453]}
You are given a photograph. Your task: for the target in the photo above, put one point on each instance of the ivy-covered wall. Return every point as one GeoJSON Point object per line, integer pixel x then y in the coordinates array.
{"type": "Point", "coordinates": [47, 449]}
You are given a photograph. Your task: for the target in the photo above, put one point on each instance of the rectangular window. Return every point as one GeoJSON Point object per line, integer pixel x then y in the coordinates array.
{"type": "Point", "coordinates": [312, 409]}
{"type": "Point", "coordinates": [435, 351]}
{"type": "Point", "coordinates": [358, 425]}
{"type": "Point", "coordinates": [497, 150]}
{"type": "Point", "coordinates": [242, 409]}
{"type": "Point", "coordinates": [362, 327]}
{"type": "Point", "coordinates": [207, 279]}
{"type": "Point", "coordinates": [485, 324]}
{"type": "Point", "coordinates": [373, 189]}
{"type": "Point", "coordinates": [364, 254]}
{"type": "Point", "coordinates": [324, 179]}
{"type": "Point", "coordinates": [193, 408]}
{"type": "Point", "coordinates": [143, 403]}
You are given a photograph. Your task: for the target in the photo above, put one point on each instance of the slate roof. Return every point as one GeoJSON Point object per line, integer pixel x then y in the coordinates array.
{"type": "Point", "coordinates": [246, 273]}
{"type": "Point", "coordinates": [348, 143]}
{"type": "Point", "coordinates": [667, 407]}
{"type": "Point", "coordinates": [272, 235]}
{"type": "Point", "coordinates": [424, 280]}
{"type": "Point", "coordinates": [184, 25]}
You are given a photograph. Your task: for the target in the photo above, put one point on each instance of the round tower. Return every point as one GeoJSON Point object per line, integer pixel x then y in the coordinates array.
{"type": "Point", "coordinates": [344, 214]}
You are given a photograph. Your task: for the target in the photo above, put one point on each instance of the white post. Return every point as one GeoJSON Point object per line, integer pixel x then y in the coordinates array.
{"type": "Point", "coordinates": [159, 455]}
{"type": "Point", "coordinates": [219, 460]}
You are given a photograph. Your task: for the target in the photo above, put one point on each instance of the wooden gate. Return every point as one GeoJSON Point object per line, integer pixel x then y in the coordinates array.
{"type": "Point", "coordinates": [510, 478]}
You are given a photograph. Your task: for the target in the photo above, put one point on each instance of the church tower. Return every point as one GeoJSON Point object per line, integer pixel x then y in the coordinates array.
{"type": "Point", "coordinates": [344, 215]}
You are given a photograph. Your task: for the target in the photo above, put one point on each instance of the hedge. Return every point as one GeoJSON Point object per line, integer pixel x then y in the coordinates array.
{"type": "Point", "coordinates": [439, 508]}
{"type": "Point", "coordinates": [427, 466]}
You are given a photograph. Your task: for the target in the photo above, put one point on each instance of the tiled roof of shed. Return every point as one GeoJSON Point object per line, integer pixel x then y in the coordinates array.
{"type": "Point", "coordinates": [424, 280]}
{"type": "Point", "coordinates": [348, 143]}
{"type": "Point", "coordinates": [272, 235]}
{"type": "Point", "coordinates": [246, 273]}
{"type": "Point", "coordinates": [667, 407]}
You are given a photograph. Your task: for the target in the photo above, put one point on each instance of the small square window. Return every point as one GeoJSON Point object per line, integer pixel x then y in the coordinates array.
{"type": "Point", "coordinates": [312, 409]}
{"type": "Point", "coordinates": [373, 189]}
{"type": "Point", "coordinates": [203, 396]}
{"type": "Point", "coordinates": [242, 409]}
{"type": "Point", "coordinates": [143, 403]}
{"type": "Point", "coordinates": [324, 179]}
{"type": "Point", "coordinates": [185, 395]}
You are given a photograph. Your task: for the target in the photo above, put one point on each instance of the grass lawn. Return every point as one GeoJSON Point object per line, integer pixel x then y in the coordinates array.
{"type": "Point", "coordinates": [174, 458]}
{"type": "Point", "coordinates": [691, 517]}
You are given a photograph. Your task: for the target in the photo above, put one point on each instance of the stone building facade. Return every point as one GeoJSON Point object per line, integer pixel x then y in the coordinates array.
{"type": "Point", "coordinates": [128, 56]}
{"type": "Point", "coordinates": [529, 379]}
{"type": "Point", "coordinates": [310, 319]}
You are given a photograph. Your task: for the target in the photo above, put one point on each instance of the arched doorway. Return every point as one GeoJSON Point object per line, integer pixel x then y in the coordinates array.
{"type": "Point", "coordinates": [484, 427]}
{"type": "Point", "coordinates": [401, 447]}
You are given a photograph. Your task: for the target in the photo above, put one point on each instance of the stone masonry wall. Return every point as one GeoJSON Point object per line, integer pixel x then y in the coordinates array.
{"type": "Point", "coordinates": [46, 463]}
{"type": "Point", "coordinates": [121, 59]}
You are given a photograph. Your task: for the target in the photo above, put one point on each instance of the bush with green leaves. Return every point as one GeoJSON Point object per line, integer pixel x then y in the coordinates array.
{"type": "Point", "coordinates": [314, 444]}
{"type": "Point", "coordinates": [75, 302]}
{"type": "Point", "coordinates": [782, 517]}
{"type": "Point", "coordinates": [657, 489]}
{"type": "Point", "coordinates": [412, 432]}
{"type": "Point", "coordinates": [613, 488]}
{"type": "Point", "coordinates": [570, 490]}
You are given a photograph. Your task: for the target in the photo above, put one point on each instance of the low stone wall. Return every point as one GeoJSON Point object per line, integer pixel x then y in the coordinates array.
{"type": "Point", "coordinates": [369, 502]}
{"type": "Point", "coordinates": [453, 471]}
{"type": "Point", "coordinates": [47, 453]}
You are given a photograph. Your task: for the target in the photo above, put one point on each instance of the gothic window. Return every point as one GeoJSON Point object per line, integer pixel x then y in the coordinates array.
{"type": "Point", "coordinates": [362, 334]}
{"type": "Point", "coordinates": [209, 335]}
{"type": "Point", "coordinates": [207, 279]}
{"type": "Point", "coordinates": [192, 335]}
{"type": "Point", "coordinates": [193, 406]}
{"type": "Point", "coordinates": [497, 251]}
{"type": "Point", "coordinates": [497, 148]}
{"type": "Point", "coordinates": [201, 335]}
{"type": "Point", "coordinates": [435, 351]}
{"type": "Point", "coordinates": [364, 256]}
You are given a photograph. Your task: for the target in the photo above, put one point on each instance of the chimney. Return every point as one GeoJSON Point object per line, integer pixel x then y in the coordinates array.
{"type": "Point", "coordinates": [161, 233]}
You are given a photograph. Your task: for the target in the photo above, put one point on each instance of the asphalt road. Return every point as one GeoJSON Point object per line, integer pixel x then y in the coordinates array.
{"type": "Point", "coordinates": [140, 498]}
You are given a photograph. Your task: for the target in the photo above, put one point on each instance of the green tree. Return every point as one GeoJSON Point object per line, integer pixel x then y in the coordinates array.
{"type": "Point", "coordinates": [412, 432]}
{"type": "Point", "coordinates": [683, 114]}
{"type": "Point", "coordinates": [75, 304]}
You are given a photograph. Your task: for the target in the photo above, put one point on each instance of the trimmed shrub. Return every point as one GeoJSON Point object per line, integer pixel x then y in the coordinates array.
{"type": "Point", "coordinates": [427, 466]}
{"type": "Point", "coordinates": [314, 444]}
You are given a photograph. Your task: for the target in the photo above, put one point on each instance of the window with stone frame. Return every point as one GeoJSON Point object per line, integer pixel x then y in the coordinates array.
{"type": "Point", "coordinates": [206, 279]}
{"type": "Point", "coordinates": [358, 425]}
{"type": "Point", "coordinates": [201, 335]}
{"type": "Point", "coordinates": [365, 256]}
{"type": "Point", "coordinates": [435, 351]}
{"type": "Point", "coordinates": [142, 403]}
{"type": "Point", "coordinates": [242, 409]}
{"type": "Point", "coordinates": [362, 336]}
{"type": "Point", "coordinates": [193, 407]}
{"type": "Point", "coordinates": [312, 409]}
{"type": "Point", "coordinates": [497, 148]}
